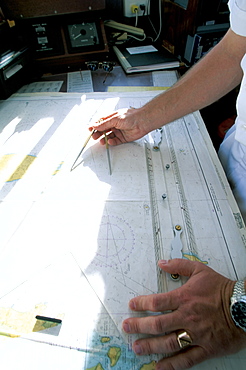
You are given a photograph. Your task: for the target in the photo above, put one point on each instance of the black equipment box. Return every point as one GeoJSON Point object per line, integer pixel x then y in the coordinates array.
{"type": "Point", "coordinates": [14, 71]}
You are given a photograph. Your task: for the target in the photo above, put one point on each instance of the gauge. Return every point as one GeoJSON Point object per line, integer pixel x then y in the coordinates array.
{"type": "Point", "coordinates": [83, 34]}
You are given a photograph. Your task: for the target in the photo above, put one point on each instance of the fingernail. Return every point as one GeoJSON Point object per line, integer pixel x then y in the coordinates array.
{"type": "Point", "coordinates": [163, 262]}
{"type": "Point", "coordinates": [126, 327]}
{"type": "Point", "coordinates": [137, 349]}
{"type": "Point", "coordinates": [132, 305]}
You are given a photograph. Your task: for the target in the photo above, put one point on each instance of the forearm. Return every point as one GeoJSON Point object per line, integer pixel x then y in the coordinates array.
{"type": "Point", "coordinates": [211, 78]}
{"type": "Point", "coordinates": [214, 76]}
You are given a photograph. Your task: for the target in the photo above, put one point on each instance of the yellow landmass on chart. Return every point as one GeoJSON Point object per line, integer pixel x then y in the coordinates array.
{"type": "Point", "coordinates": [22, 168]}
{"type": "Point", "coordinates": [58, 168]}
{"type": "Point", "coordinates": [24, 322]}
{"type": "Point", "coordinates": [114, 354]}
{"type": "Point", "coordinates": [150, 366]}
{"type": "Point", "coordinates": [105, 339]}
{"type": "Point", "coordinates": [192, 257]}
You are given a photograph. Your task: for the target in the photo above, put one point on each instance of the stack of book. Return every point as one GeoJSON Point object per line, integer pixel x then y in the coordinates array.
{"type": "Point", "coordinates": [145, 58]}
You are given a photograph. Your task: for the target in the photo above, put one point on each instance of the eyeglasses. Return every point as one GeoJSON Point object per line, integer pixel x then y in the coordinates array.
{"type": "Point", "coordinates": [94, 65]}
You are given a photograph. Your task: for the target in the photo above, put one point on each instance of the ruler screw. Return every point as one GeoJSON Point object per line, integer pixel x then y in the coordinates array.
{"type": "Point", "coordinates": [167, 166]}
{"type": "Point", "coordinates": [175, 276]}
{"type": "Point", "coordinates": [178, 227]}
{"type": "Point", "coordinates": [164, 196]}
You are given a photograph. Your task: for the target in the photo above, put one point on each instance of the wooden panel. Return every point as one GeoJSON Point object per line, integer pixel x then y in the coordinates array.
{"type": "Point", "coordinates": [177, 24]}
{"type": "Point", "coordinates": [30, 8]}
{"type": "Point", "coordinates": [71, 61]}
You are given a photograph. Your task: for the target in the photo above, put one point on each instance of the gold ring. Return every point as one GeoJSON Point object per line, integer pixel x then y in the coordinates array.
{"type": "Point", "coordinates": [184, 339]}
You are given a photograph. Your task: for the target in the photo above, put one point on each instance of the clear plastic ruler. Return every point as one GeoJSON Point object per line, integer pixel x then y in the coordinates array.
{"type": "Point", "coordinates": [171, 219]}
{"type": "Point", "coordinates": [165, 246]}
{"type": "Point", "coordinates": [181, 192]}
{"type": "Point", "coordinates": [161, 283]}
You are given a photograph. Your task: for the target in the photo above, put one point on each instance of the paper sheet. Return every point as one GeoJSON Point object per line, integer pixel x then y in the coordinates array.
{"type": "Point", "coordinates": [40, 87]}
{"type": "Point", "coordinates": [164, 78]}
{"type": "Point", "coordinates": [79, 82]}
{"type": "Point", "coordinates": [141, 49]}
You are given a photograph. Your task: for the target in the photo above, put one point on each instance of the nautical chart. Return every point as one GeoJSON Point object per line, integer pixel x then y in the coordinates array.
{"type": "Point", "coordinates": [77, 245]}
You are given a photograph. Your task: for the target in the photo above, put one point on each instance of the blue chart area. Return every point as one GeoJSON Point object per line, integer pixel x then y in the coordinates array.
{"type": "Point", "coordinates": [113, 353]}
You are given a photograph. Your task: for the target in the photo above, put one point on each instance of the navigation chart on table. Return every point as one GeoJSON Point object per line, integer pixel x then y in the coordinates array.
{"type": "Point", "coordinates": [77, 245]}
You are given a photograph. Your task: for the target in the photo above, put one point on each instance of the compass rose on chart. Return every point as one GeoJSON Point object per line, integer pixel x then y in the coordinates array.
{"type": "Point", "coordinates": [115, 242]}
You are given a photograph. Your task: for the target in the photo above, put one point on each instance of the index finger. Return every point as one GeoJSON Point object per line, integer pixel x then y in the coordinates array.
{"type": "Point", "coordinates": [101, 123]}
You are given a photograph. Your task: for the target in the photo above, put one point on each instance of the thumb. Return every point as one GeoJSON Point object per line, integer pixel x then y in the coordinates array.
{"type": "Point", "coordinates": [180, 266]}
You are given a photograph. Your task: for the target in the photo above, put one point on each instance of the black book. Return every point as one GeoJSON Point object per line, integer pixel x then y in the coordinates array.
{"type": "Point", "coordinates": [132, 61]}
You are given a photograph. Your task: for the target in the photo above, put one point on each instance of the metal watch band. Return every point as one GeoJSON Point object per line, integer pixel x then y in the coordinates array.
{"type": "Point", "coordinates": [238, 289]}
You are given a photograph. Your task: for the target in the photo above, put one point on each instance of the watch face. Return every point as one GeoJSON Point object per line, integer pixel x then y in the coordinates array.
{"type": "Point", "coordinates": [83, 34]}
{"type": "Point", "coordinates": [238, 312]}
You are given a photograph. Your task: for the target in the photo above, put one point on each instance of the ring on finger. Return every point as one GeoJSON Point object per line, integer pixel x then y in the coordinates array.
{"type": "Point", "coordinates": [184, 339]}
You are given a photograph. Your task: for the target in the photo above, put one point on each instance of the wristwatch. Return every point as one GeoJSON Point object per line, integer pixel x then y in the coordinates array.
{"type": "Point", "coordinates": [238, 305]}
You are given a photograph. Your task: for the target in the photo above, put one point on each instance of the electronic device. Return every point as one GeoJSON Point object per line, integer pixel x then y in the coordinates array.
{"type": "Point", "coordinates": [14, 67]}
{"type": "Point", "coordinates": [202, 42]}
{"type": "Point", "coordinates": [15, 60]}
{"type": "Point", "coordinates": [84, 36]}
{"type": "Point", "coordinates": [63, 35]}
{"type": "Point", "coordinates": [187, 23]}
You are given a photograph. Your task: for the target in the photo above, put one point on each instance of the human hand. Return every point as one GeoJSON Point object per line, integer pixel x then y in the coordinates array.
{"type": "Point", "coordinates": [201, 307]}
{"type": "Point", "coordinates": [123, 126]}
